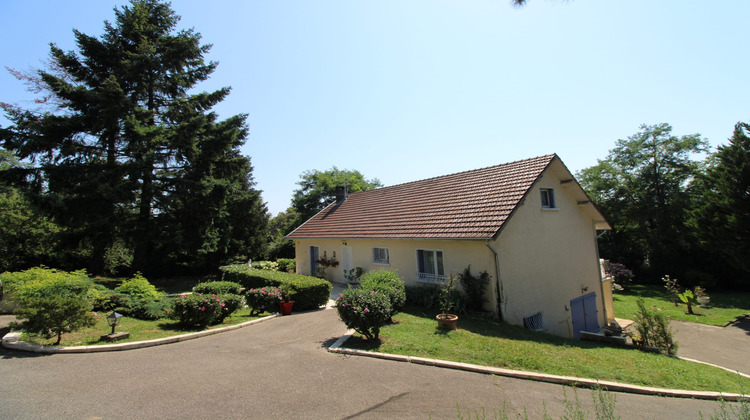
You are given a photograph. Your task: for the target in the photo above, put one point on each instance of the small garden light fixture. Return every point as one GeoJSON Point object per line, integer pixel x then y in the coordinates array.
{"type": "Point", "coordinates": [113, 319]}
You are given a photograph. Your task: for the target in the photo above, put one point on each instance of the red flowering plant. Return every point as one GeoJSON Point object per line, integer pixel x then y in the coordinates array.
{"type": "Point", "coordinates": [327, 263]}
{"type": "Point", "coordinates": [365, 311]}
{"type": "Point", "coordinates": [263, 299]}
{"type": "Point", "coordinates": [204, 309]}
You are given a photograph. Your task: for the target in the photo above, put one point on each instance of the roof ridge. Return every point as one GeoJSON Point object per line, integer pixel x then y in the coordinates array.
{"type": "Point", "coordinates": [550, 156]}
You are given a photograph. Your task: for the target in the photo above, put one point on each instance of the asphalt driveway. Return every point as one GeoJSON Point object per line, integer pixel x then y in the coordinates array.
{"type": "Point", "coordinates": [727, 346]}
{"type": "Point", "coordinates": [278, 369]}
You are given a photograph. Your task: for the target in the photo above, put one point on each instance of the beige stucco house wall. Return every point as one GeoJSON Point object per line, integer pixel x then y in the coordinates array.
{"type": "Point", "coordinates": [540, 260]}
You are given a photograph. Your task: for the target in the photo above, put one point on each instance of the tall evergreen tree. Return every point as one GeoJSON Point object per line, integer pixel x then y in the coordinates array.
{"type": "Point", "coordinates": [721, 210]}
{"type": "Point", "coordinates": [134, 157]}
{"type": "Point", "coordinates": [642, 187]}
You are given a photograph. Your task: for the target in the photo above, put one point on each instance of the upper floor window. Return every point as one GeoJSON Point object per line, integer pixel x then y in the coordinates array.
{"type": "Point", "coordinates": [380, 256]}
{"type": "Point", "coordinates": [548, 198]}
{"type": "Point", "coordinates": [430, 266]}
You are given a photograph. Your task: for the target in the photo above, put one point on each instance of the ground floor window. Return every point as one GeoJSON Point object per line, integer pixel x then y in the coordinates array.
{"type": "Point", "coordinates": [381, 256]}
{"type": "Point", "coordinates": [430, 265]}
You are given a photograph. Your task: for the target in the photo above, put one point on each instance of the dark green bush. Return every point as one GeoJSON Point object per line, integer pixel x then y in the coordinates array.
{"type": "Point", "coordinates": [102, 298]}
{"type": "Point", "coordinates": [364, 310]}
{"type": "Point", "coordinates": [218, 287]}
{"type": "Point", "coordinates": [475, 288]}
{"type": "Point", "coordinates": [310, 292]}
{"type": "Point", "coordinates": [53, 302]}
{"type": "Point", "coordinates": [202, 310]}
{"type": "Point", "coordinates": [136, 297]}
{"type": "Point", "coordinates": [425, 295]}
{"type": "Point", "coordinates": [287, 265]}
{"type": "Point", "coordinates": [388, 283]}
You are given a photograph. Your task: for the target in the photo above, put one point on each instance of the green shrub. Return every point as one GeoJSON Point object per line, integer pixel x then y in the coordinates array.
{"type": "Point", "coordinates": [389, 283]}
{"type": "Point", "coordinates": [364, 310]}
{"type": "Point", "coordinates": [218, 287]}
{"type": "Point", "coordinates": [310, 292]}
{"type": "Point", "coordinates": [53, 303]}
{"type": "Point", "coordinates": [425, 295]}
{"type": "Point", "coordinates": [13, 280]}
{"type": "Point", "coordinates": [201, 310]}
{"type": "Point", "coordinates": [264, 299]}
{"type": "Point", "coordinates": [102, 298]}
{"type": "Point", "coordinates": [475, 288]}
{"type": "Point", "coordinates": [136, 297]}
{"type": "Point", "coordinates": [653, 328]}
{"type": "Point", "coordinates": [287, 265]}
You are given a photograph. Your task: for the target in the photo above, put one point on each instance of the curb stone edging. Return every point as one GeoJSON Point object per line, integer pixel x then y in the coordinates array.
{"type": "Point", "coordinates": [12, 341]}
{"type": "Point", "coordinates": [541, 377]}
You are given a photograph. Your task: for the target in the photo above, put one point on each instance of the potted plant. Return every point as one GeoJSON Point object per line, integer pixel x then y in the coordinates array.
{"type": "Point", "coordinates": [286, 299]}
{"type": "Point", "coordinates": [703, 298]}
{"type": "Point", "coordinates": [447, 301]}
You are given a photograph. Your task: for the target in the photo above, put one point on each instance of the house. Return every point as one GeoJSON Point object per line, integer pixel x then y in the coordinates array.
{"type": "Point", "coordinates": [529, 224]}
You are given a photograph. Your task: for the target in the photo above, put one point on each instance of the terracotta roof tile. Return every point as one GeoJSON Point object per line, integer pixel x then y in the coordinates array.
{"type": "Point", "coordinates": [466, 205]}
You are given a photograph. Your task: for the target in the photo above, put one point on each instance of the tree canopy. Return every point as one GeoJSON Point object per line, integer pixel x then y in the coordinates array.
{"type": "Point", "coordinates": [134, 161]}
{"type": "Point", "coordinates": [720, 215]}
{"type": "Point", "coordinates": [642, 188]}
{"type": "Point", "coordinates": [318, 189]}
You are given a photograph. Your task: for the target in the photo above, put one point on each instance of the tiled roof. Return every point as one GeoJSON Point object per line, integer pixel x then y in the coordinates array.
{"type": "Point", "coordinates": [466, 205]}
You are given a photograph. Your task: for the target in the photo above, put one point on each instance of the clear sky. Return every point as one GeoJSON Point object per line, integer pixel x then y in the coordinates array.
{"type": "Point", "coordinates": [403, 90]}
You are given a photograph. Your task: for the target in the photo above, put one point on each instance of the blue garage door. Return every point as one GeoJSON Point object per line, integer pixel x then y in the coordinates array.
{"type": "Point", "coordinates": [583, 311]}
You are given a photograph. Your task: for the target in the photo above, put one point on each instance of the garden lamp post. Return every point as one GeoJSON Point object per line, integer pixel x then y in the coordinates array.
{"type": "Point", "coordinates": [113, 319]}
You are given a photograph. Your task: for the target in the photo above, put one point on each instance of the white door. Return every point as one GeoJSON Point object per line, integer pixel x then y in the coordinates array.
{"type": "Point", "coordinates": [347, 262]}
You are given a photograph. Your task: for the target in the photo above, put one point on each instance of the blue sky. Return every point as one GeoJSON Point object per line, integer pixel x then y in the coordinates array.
{"type": "Point", "coordinates": [403, 90]}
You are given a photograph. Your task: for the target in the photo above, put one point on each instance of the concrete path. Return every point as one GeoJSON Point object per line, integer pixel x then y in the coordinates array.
{"type": "Point", "coordinates": [728, 346]}
{"type": "Point", "coordinates": [279, 369]}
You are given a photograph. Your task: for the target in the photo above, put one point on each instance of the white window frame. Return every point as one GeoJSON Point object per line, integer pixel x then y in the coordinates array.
{"type": "Point", "coordinates": [381, 255]}
{"type": "Point", "coordinates": [549, 193]}
{"type": "Point", "coordinates": [435, 276]}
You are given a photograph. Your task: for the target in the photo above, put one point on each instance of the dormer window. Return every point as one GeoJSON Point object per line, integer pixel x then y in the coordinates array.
{"type": "Point", "coordinates": [548, 198]}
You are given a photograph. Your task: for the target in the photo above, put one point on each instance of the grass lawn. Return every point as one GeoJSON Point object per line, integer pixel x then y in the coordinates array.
{"type": "Point", "coordinates": [725, 306]}
{"type": "Point", "coordinates": [487, 342]}
{"type": "Point", "coordinates": [139, 330]}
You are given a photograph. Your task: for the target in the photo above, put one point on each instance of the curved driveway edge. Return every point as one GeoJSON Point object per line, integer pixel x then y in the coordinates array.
{"type": "Point", "coordinates": [542, 377]}
{"type": "Point", "coordinates": [12, 341]}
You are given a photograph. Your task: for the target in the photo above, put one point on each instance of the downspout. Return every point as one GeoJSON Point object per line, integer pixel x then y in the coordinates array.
{"type": "Point", "coordinates": [601, 280]}
{"type": "Point", "coordinates": [499, 291]}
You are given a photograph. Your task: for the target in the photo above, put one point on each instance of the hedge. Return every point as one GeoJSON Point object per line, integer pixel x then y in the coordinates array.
{"type": "Point", "coordinates": [311, 292]}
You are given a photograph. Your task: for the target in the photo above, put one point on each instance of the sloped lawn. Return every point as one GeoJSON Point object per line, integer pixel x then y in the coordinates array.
{"type": "Point", "coordinates": [486, 342]}
{"type": "Point", "coordinates": [725, 306]}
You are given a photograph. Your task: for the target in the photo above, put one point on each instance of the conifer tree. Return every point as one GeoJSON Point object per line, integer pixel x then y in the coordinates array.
{"type": "Point", "coordinates": [135, 158]}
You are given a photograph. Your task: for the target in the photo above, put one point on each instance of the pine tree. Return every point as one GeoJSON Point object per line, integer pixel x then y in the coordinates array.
{"type": "Point", "coordinates": [134, 157]}
{"type": "Point", "coordinates": [721, 212]}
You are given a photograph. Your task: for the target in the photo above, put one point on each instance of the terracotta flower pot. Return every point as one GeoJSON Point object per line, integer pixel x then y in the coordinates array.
{"type": "Point", "coordinates": [286, 307]}
{"type": "Point", "coordinates": [447, 321]}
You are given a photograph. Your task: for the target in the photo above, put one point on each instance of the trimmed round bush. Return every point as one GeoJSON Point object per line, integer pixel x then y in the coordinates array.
{"type": "Point", "coordinates": [138, 298]}
{"type": "Point", "coordinates": [389, 283]}
{"type": "Point", "coordinates": [263, 299]}
{"type": "Point", "coordinates": [218, 287]}
{"type": "Point", "coordinates": [364, 310]}
{"type": "Point", "coordinates": [202, 310]}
